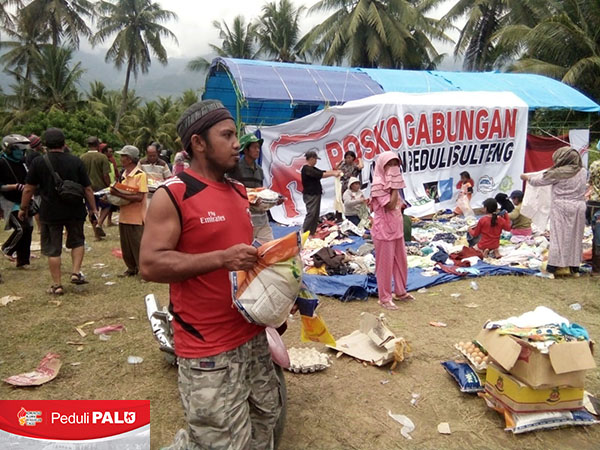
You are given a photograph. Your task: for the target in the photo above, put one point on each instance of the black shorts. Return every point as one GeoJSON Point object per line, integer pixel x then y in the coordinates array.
{"type": "Point", "coordinates": [52, 237]}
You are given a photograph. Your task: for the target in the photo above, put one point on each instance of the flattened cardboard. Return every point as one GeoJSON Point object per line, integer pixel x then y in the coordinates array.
{"type": "Point", "coordinates": [566, 366]}
{"type": "Point", "coordinates": [373, 342]}
{"type": "Point", "coordinates": [520, 398]}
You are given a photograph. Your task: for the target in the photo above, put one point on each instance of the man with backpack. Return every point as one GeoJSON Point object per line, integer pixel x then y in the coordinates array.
{"type": "Point", "coordinates": [63, 184]}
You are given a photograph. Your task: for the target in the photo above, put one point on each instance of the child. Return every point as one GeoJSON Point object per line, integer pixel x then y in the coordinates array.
{"type": "Point", "coordinates": [521, 225]}
{"type": "Point", "coordinates": [387, 231]}
{"type": "Point", "coordinates": [505, 202]}
{"type": "Point", "coordinates": [489, 228]}
{"type": "Point", "coordinates": [465, 188]}
{"type": "Point", "coordinates": [353, 199]}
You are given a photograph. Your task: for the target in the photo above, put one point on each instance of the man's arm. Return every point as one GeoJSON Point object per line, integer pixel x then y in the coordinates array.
{"type": "Point", "coordinates": [89, 196]}
{"type": "Point", "coordinates": [134, 197]}
{"type": "Point", "coordinates": [25, 200]}
{"type": "Point", "coordinates": [332, 173]}
{"type": "Point", "coordinates": [166, 171]}
{"type": "Point", "coordinates": [161, 263]}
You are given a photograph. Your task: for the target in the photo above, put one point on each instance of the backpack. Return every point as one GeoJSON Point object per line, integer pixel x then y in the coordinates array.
{"type": "Point", "coordinates": [69, 191]}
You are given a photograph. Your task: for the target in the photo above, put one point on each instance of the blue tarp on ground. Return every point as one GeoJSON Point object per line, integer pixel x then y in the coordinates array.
{"type": "Point", "coordinates": [536, 90]}
{"type": "Point", "coordinates": [338, 285]}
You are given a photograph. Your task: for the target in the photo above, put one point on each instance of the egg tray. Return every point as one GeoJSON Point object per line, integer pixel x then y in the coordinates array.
{"type": "Point", "coordinates": [479, 367]}
{"type": "Point", "coordinates": [307, 360]}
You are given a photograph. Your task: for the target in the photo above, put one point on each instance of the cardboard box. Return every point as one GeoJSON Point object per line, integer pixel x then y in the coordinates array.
{"type": "Point", "coordinates": [520, 398]}
{"type": "Point", "coordinates": [373, 342]}
{"type": "Point", "coordinates": [564, 365]}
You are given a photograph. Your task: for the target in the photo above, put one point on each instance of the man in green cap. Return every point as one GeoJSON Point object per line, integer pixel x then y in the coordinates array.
{"type": "Point", "coordinates": [250, 174]}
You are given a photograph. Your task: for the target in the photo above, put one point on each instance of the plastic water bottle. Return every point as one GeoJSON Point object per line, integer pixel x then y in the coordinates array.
{"type": "Point", "coordinates": [474, 286]}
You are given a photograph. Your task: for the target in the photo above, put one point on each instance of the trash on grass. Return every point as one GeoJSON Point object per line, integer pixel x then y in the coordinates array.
{"type": "Point", "coordinates": [110, 283]}
{"type": "Point", "coordinates": [46, 371]}
{"type": "Point", "coordinates": [415, 399]}
{"type": "Point", "coordinates": [384, 382]}
{"type": "Point", "coordinates": [575, 307]}
{"type": "Point", "coordinates": [135, 359]}
{"type": "Point", "coordinates": [438, 324]}
{"type": "Point", "coordinates": [422, 291]}
{"type": "Point", "coordinates": [474, 285]}
{"type": "Point", "coordinates": [98, 265]}
{"type": "Point", "coordinates": [472, 305]}
{"type": "Point", "coordinates": [81, 332]}
{"type": "Point", "coordinates": [109, 329]}
{"type": "Point", "coordinates": [8, 299]}
{"type": "Point", "coordinates": [104, 337]}
{"type": "Point", "coordinates": [373, 342]}
{"type": "Point", "coordinates": [444, 428]}
{"type": "Point", "coordinates": [455, 295]}
{"type": "Point", "coordinates": [407, 425]}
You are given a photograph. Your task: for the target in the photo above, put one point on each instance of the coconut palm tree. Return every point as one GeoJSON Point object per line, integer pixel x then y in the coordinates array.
{"type": "Point", "coordinates": [565, 45]}
{"type": "Point", "coordinates": [279, 30]}
{"type": "Point", "coordinates": [6, 19]}
{"type": "Point", "coordinates": [485, 19]}
{"type": "Point", "coordinates": [23, 48]}
{"type": "Point", "coordinates": [64, 19]}
{"type": "Point", "coordinates": [238, 41]}
{"type": "Point", "coordinates": [138, 29]}
{"type": "Point", "coordinates": [375, 33]}
{"type": "Point", "coordinates": [55, 80]}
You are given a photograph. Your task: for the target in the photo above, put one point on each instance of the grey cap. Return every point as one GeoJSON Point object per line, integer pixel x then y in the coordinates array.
{"type": "Point", "coordinates": [129, 150]}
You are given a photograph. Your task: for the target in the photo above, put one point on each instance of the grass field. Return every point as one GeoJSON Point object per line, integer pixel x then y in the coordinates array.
{"type": "Point", "coordinates": [344, 407]}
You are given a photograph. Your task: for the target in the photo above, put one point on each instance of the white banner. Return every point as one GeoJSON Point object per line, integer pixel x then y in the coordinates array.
{"type": "Point", "coordinates": [437, 136]}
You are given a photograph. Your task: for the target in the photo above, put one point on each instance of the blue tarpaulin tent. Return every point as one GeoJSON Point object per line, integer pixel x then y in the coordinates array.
{"type": "Point", "coordinates": [535, 90]}
{"type": "Point", "coordinates": [269, 93]}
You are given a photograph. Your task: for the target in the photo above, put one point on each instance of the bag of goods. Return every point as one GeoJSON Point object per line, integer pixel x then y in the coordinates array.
{"type": "Point", "coordinates": [524, 422]}
{"type": "Point", "coordinates": [115, 200]}
{"type": "Point", "coordinates": [266, 293]}
{"type": "Point", "coordinates": [263, 199]}
{"type": "Point", "coordinates": [467, 379]}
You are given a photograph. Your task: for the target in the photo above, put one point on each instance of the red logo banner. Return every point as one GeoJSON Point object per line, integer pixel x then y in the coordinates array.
{"type": "Point", "coordinates": [73, 419]}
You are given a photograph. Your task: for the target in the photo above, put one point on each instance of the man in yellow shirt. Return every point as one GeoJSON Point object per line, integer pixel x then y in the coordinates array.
{"type": "Point", "coordinates": [132, 215]}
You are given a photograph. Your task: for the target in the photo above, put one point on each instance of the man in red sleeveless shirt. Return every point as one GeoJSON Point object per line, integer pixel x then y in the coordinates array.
{"type": "Point", "coordinates": [197, 230]}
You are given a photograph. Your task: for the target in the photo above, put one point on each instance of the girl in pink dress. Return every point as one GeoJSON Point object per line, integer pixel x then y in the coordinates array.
{"type": "Point", "coordinates": [387, 231]}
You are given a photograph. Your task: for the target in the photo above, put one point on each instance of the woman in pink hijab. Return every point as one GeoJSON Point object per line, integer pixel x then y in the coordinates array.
{"type": "Point", "coordinates": [388, 230]}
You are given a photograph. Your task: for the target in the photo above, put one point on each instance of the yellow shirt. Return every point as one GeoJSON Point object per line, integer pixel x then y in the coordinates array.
{"type": "Point", "coordinates": [135, 212]}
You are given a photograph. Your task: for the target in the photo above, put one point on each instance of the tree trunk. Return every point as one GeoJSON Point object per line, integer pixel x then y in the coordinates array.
{"type": "Point", "coordinates": [124, 100]}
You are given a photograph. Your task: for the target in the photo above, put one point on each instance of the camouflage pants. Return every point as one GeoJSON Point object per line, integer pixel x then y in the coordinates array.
{"type": "Point", "coordinates": [231, 400]}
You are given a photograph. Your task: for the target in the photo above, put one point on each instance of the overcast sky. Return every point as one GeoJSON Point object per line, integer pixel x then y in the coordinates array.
{"type": "Point", "coordinates": [194, 28]}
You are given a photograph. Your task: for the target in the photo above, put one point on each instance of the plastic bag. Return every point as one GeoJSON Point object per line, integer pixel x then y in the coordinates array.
{"type": "Point", "coordinates": [464, 375]}
{"type": "Point", "coordinates": [266, 293]}
{"type": "Point", "coordinates": [313, 329]}
{"type": "Point", "coordinates": [262, 199]}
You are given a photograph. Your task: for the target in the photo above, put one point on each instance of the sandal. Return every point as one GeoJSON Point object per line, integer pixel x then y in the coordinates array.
{"type": "Point", "coordinates": [390, 306]}
{"type": "Point", "coordinates": [405, 297]}
{"type": "Point", "coordinates": [78, 278]}
{"type": "Point", "coordinates": [56, 289]}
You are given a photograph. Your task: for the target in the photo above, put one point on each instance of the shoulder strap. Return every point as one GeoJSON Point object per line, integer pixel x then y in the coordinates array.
{"type": "Point", "coordinates": [57, 179]}
{"type": "Point", "coordinates": [186, 326]}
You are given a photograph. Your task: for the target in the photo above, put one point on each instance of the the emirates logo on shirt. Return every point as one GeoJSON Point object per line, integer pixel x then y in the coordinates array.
{"type": "Point", "coordinates": [212, 217]}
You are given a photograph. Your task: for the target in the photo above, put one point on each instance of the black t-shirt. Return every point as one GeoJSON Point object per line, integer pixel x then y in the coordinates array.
{"type": "Point", "coordinates": [69, 167]}
{"type": "Point", "coordinates": [7, 177]}
{"type": "Point", "coordinates": [311, 180]}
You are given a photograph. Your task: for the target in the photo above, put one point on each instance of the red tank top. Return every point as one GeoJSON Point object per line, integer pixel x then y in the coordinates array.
{"type": "Point", "coordinates": [214, 216]}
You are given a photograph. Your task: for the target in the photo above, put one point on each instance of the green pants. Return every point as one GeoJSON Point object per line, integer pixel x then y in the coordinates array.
{"type": "Point", "coordinates": [231, 400]}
